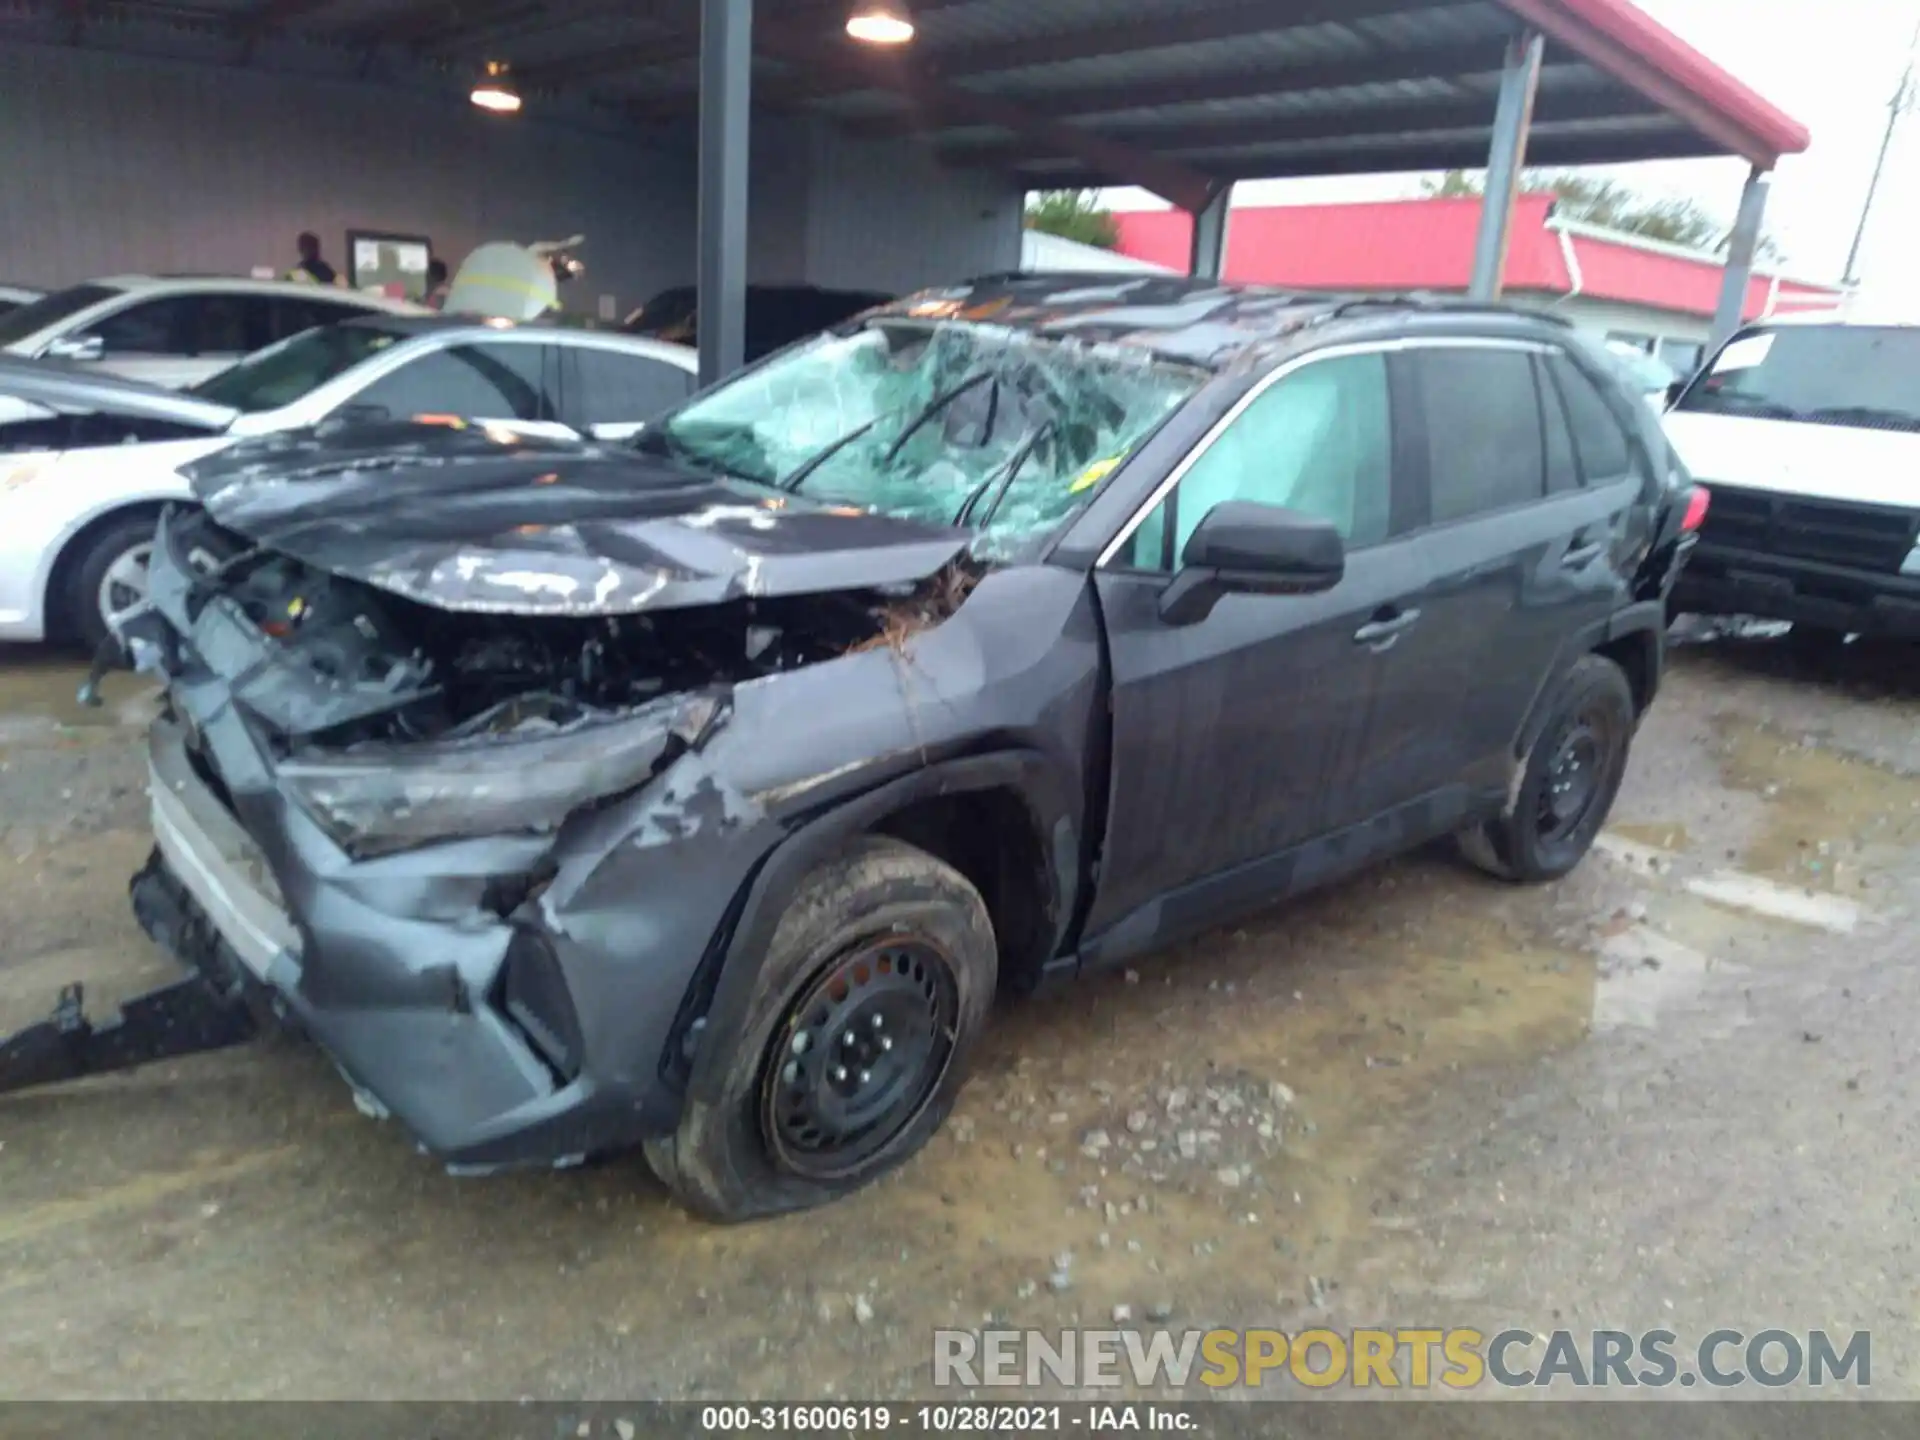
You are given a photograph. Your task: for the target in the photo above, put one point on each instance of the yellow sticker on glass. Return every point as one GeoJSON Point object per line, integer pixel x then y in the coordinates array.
{"type": "Point", "coordinates": [1094, 474]}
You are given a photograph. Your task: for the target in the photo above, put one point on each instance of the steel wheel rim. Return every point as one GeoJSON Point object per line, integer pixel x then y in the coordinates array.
{"type": "Point", "coordinates": [123, 588]}
{"type": "Point", "coordinates": [1576, 776]}
{"type": "Point", "coordinates": [859, 1055]}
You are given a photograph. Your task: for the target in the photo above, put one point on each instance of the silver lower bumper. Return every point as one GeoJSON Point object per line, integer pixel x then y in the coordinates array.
{"type": "Point", "coordinates": [214, 859]}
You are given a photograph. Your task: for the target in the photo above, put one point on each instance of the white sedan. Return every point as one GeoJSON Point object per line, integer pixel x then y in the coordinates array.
{"type": "Point", "coordinates": [176, 330]}
{"type": "Point", "coordinates": [88, 460]}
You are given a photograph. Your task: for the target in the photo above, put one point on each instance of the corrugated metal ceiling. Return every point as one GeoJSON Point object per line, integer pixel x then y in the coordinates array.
{"type": "Point", "coordinates": [993, 81]}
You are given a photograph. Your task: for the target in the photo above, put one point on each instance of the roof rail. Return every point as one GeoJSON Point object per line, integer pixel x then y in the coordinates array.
{"type": "Point", "coordinates": [1442, 305]}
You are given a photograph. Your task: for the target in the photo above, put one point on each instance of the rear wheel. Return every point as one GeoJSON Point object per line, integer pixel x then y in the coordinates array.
{"type": "Point", "coordinates": [107, 578]}
{"type": "Point", "coordinates": [876, 985]}
{"type": "Point", "coordinates": [1814, 641]}
{"type": "Point", "coordinates": [1569, 781]}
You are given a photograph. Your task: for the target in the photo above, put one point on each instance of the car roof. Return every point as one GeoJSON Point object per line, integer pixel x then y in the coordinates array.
{"type": "Point", "coordinates": [246, 285]}
{"type": "Point", "coordinates": [452, 328]}
{"type": "Point", "coordinates": [1178, 317]}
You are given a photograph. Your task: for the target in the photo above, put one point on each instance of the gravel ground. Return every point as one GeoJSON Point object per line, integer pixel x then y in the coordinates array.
{"type": "Point", "coordinates": [1637, 1099]}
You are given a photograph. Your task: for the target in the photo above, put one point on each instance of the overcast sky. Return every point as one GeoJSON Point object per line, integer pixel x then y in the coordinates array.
{"type": "Point", "coordinates": [1831, 64]}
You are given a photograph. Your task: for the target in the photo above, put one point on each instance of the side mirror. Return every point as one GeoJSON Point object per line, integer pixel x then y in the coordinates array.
{"type": "Point", "coordinates": [76, 347]}
{"type": "Point", "coordinates": [616, 430]}
{"type": "Point", "coordinates": [1246, 548]}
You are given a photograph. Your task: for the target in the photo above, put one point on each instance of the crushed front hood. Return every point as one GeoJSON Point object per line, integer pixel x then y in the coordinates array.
{"type": "Point", "coordinates": [481, 520]}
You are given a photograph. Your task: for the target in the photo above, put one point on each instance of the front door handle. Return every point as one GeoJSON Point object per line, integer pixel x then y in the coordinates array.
{"type": "Point", "coordinates": [1383, 632]}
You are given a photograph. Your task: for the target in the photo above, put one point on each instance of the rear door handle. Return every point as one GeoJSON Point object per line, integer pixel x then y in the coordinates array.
{"type": "Point", "coordinates": [1583, 552]}
{"type": "Point", "coordinates": [1383, 632]}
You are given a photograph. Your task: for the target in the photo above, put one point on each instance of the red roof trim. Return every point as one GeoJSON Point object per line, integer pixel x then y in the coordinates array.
{"type": "Point", "coordinates": [1395, 245]}
{"type": "Point", "coordinates": [1623, 40]}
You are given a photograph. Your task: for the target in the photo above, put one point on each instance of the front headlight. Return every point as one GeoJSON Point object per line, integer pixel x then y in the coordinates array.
{"type": "Point", "coordinates": [18, 474]}
{"type": "Point", "coordinates": [379, 798]}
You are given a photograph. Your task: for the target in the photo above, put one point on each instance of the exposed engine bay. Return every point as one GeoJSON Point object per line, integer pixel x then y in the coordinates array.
{"type": "Point", "coordinates": [417, 673]}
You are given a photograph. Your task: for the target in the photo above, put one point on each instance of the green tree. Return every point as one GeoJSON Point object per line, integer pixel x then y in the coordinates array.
{"type": "Point", "coordinates": [1073, 215]}
{"type": "Point", "coordinates": [1598, 201]}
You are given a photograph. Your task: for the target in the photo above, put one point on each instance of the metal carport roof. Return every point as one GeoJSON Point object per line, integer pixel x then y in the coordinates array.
{"type": "Point", "coordinates": [1177, 95]}
{"type": "Point", "coordinates": [1180, 96]}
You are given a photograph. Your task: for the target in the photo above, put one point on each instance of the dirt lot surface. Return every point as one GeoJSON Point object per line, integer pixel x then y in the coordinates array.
{"type": "Point", "coordinates": [1675, 1090]}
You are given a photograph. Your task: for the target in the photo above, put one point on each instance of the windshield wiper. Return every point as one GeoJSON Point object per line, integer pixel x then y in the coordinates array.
{"type": "Point", "coordinates": [799, 475]}
{"type": "Point", "coordinates": [940, 402]}
{"type": "Point", "coordinates": [1011, 471]}
{"type": "Point", "coordinates": [1865, 415]}
{"type": "Point", "coordinates": [1746, 405]}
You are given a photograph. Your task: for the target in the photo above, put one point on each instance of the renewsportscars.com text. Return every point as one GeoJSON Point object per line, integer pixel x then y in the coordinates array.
{"type": "Point", "coordinates": [1418, 1359]}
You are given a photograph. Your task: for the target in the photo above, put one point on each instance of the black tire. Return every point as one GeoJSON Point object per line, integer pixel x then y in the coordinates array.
{"type": "Point", "coordinates": [80, 614]}
{"type": "Point", "coordinates": [920, 929]}
{"type": "Point", "coordinates": [1568, 783]}
{"type": "Point", "coordinates": [1814, 642]}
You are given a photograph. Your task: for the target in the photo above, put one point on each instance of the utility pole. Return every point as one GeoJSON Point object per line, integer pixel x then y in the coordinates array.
{"type": "Point", "coordinates": [1903, 101]}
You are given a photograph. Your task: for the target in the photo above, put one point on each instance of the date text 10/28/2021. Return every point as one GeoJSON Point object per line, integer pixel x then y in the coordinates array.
{"type": "Point", "coordinates": [960, 1419]}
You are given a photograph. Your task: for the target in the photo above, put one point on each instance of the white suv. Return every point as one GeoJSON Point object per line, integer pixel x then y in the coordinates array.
{"type": "Point", "coordinates": [176, 331]}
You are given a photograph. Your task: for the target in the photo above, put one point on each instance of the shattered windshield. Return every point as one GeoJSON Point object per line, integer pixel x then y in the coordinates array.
{"type": "Point", "coordinates": [949, 423]}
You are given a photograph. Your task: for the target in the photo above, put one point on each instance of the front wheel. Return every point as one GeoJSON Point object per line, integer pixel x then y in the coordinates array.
{"type": "Point", "coordinates": [1569, 781]}
{"type": "Point", "coordinates": [874, 989]}
{"type": "Point", "coordinates": [108, 578]}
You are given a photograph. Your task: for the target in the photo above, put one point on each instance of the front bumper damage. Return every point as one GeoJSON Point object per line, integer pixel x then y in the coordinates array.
{"type": "Point", "coordinates": [502, 997]}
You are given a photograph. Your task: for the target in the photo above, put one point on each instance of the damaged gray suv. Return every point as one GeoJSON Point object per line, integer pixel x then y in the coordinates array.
{"type": "Point", "coordinates": [700, 794]}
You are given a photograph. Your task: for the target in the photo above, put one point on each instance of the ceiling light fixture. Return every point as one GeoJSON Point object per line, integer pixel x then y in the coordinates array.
{"type": "Point", "coordinates": [880, 22]}
{"type": "Point", "coordinates": [495, 91]}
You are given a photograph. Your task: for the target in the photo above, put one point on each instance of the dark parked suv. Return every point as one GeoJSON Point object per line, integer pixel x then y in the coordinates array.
{"type": "Point", "coordinates": [701, 794]}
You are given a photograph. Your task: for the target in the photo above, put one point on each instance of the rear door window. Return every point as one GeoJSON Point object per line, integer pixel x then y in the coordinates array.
{"type": "Point", "coordinates": [611, 388]}
{"type": "Point", "coordinates": [1485, 448]}
{"type": "Point", "coordinates": [230, 324]}
{"type": "Point", "coordinates": [473, 382]}
{"type": "Point", "coordinates": [1563, 469]}
{"type": "Point", "coordinates": [1598, 436]}
{"type": "Point", "coordinates": [291, 317]}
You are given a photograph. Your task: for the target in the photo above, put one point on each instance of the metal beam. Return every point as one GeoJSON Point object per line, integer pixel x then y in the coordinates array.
{"type": "Point", "coordinates": [1512, 118]}
{"type": "Point", "coordinates": [933, 103]}
{"type": "Point", "coordinates": [1408, 122]}
{"type": "Point", "coordinates": [1451, 64]}
{"type": "Point", "coordinates": [1393, 155]}
{"type": "Point", "coordinates": [1207, 259]}
{"type": "Point", "coordinates": [726, 85]}
{"type": "Point", "coordinates": [1741, 247]}
{"type": "Point", "coordinates": [1561, 25]}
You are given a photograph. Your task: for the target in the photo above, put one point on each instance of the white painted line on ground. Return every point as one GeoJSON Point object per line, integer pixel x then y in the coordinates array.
{"type": "Point", "coordinates": [1642, 972]}
{"type": "Point", "coordinates": [1777, 902]}
{"type": "Point", "coordinates": [1632, 853]}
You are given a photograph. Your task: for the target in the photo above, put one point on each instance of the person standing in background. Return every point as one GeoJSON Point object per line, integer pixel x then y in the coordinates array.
{"type": "Point", "coordinates": [311, 266]}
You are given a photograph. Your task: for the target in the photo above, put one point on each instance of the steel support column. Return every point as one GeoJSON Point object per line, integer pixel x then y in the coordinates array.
{"type": "Point", "coordinates": [726, 82]}
{"type": "Point", "coordinates": [1741, 246]}
{"type": "Point", "coordinates": [1208, 258]}
{"type": "Point", "coordinates": [1512, 119]}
